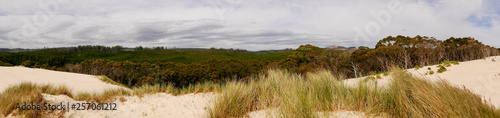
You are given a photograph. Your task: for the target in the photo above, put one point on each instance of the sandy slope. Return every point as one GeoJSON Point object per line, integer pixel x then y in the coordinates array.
{"type": "Point", "coordinates": [158, 105]}
{"type": "Point", "coordinates": [481, 76]}
{"type": "Point", "coordinates": [77, 82]}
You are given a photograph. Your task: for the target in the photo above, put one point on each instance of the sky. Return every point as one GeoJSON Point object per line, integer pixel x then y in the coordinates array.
{"type": "Point", "coordinates": [241, 24]}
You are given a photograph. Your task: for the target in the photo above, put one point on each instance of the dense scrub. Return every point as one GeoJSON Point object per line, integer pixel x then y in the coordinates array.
{"type": "Point", "coordinates": [59, 57]}
{"type": "Point", "coordinates": [182, 67]}
{"type": "Point", "coordinates": [400, 51]}
{"type": "Point", "coordinates": [178, 74]}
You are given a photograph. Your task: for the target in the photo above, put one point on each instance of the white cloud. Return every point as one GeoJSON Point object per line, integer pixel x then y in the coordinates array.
{"type": "Point", "coordinates": [252, 25]}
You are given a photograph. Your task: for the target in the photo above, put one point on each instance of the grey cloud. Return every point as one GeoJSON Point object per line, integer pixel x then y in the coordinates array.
{"type": "Point", "coordinates": [150, 34]}
{"type": "Point", "coordinates": [60, 27]}
{"type": "Point", "coordinates": [192, 23]}
{"type": "Point", "coordinates": [87, 33]}
{"type": "Point", "coordinates": [181, 30]}
{"type": "Point", "coordinates": [3, 34]}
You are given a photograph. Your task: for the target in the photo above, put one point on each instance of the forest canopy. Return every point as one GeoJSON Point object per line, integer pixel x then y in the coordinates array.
{"type": "Point", "coordinates": [182, 67]}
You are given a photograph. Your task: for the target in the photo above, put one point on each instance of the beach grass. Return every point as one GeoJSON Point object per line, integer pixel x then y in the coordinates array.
{"type": "Point", "coordinates": [304, 95]}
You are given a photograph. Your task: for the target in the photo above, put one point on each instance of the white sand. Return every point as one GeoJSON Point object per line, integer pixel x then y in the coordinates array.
{"type": "Point", "coordinates": [481, 76]}
{"type": "Point", "coordinates": [10, 76]}
{"type": "Point", "coordinates": [158, 105]}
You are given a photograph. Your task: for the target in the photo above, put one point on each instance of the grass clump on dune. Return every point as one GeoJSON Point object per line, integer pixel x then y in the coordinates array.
{"type": "Point", "coordinates": [106, 79]}
{"type": "Point", "coordinates": [32, 93]}
{"type": "Point", "coordinates": [442, 69]}
{"type": "Point", "coordinates": [304, 96]}
{"type": "Point", "coordinates": [169, 88]}
{"type": "Point", "coordinates": [108, 95]}
{"type": "Point", "coordinates": [447, 63]}
{"type": "Point", "coordinates": [409, 96]}
{"type": "Point", "coordinates": [418, 67]}
{"type": "Point", "coordinates": [29, 93]}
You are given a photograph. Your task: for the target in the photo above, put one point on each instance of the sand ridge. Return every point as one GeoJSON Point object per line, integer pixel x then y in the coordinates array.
{"type": "Point", "coordinates": [10, 76]}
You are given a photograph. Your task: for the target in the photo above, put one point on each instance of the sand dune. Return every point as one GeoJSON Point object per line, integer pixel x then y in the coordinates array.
{"type": "Point", "coordinates": [481, 76]}
{"type": "Point", "coordinates": [77, 82]}
{"type": "Point", "coordinates": [158, 105]}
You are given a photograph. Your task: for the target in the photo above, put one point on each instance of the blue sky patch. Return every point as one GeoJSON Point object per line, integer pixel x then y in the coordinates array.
{"type": "Point", "coordinates": [480, 21]}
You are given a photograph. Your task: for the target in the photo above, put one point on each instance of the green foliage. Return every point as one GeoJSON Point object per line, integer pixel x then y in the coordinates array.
{"type": "Point", "coordinates": [429, 68]}
{"type": "Point", "coordinates": [418, 67]}
{"type": "Point", "coordinates": [431, 72]}
{"type": "Point", "coordinates": [59, 57]}
{"type": "Point", "coordinates": [5, 64]}
{"type": "Point", "coordinates": [183, 67]}
{"type": "Point", "coordinates": [447, 63]}
{"type": "Point", "coordinates": [300, 58]}
{"type": "Point", "coordinates": [442, 69]}
{"type": "Point", "coordinates": [179, 74]}
{"type": "Point", "coordinates": [378, 77]}
{"type": "Point", "coordinates": [105, 79]}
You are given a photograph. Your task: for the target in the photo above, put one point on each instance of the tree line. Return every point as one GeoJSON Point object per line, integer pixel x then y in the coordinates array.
{"type": "Point", "coordinates": [401, 51]}
{"type": "Point", "coordinates": [220, 65]}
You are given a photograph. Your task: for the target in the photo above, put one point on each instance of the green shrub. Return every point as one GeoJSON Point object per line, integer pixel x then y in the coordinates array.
{"type": "Point", "coordinates": [418, 67]}
{"type": "Point", "coordinates": [441, 69]}
{"type": "Point", "coordinates": [429, 68]}
{"type": "Point", "coordinates": [369, 78]}
{"type": "Point", "coordinates": [431, 72]}
{"type": "Point", "coordinates": [447, 63]}
{"type": "Point", "coordinates": [5, 64]}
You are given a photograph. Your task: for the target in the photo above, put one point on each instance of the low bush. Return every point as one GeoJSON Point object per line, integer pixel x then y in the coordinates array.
{"type": "Point", "coordinates": [418, 67]}
{"type": "Point", "coordinates": [5, 64]}
{"type": "Point", "coordinates": [442, 69]}
{"type": "Point", "coordinates": [379, 77]}
{"type": "Point", "coordinates": [447, 63]}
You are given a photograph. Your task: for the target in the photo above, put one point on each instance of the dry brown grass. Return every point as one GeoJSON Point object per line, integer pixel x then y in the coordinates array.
{"type": "Point", "coordinates": [27, 93]}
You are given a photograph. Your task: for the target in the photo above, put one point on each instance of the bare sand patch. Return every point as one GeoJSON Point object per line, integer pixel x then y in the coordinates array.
{"type": "Point", "coordinates": [10, 76]}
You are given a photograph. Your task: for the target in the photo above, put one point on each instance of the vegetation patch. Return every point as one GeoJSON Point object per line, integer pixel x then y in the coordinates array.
{"type": "Point", "coordinates": [5, 64]}
{"type": "Point", "coordinates": [431, 72]}
{"type": "Point", "coordinates": [28, 93]}
{"type": "Point", "coordinates": [106, 79]}
{"type": "Point", "coordinates": [447, 63]}
{"type": "Point", "coordinates": [418, 67]}
{"type": "Point", "coordinates": [442, 69]}
{"type": "Point", "coordinates": [298, 96]}
{"type": "Point", "coordinates": [32, 93]}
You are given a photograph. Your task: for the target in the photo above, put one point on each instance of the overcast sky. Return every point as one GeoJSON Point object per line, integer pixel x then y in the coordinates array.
{"type": "Point", "coordinates": [243, 24]}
